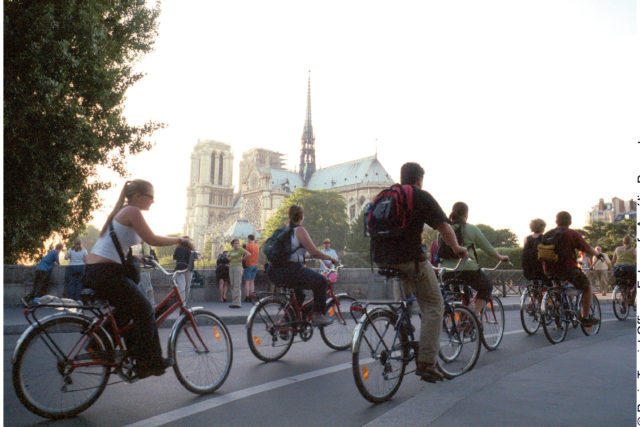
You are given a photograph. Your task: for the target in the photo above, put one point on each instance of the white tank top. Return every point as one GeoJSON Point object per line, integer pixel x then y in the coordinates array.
{"type": "Point", "coordinates": [298, 250]}
{"type": "Point", "coordinates": [127, 237]}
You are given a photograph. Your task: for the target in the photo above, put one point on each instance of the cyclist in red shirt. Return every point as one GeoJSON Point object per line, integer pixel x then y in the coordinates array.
{"type": "Point", "coordinates": [566, 268]}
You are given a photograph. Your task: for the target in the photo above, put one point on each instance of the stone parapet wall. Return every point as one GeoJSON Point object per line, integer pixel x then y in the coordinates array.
{"type": "Point", "coordinates": [361, 283]}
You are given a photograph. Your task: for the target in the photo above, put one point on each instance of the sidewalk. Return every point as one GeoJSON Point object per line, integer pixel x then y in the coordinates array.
{"type": "Point", "coordinates": [15, 322]}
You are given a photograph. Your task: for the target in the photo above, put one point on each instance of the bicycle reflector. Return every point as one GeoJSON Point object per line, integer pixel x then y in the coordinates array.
{"type": "Point", "coordinates": [365, 373]}
{"type": "Point", "coordinates": [256, 339]}
{"type": "Point", "coordinates": [332, 311]}
{"type": "Point", "coordinates": [216, 332]}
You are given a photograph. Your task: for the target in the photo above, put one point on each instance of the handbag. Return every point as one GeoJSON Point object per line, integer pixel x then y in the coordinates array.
{"type": "Point", "coordinates": [131, 264]}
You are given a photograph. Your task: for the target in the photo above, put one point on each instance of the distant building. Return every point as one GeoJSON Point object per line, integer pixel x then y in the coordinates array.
{"type": "Point", "coordinates": [612, 212]}
{"type": "Point", "coordinates": [215, 212]}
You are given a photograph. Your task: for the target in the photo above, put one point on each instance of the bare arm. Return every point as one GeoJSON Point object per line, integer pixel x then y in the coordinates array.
{"type": "Point", "coordinates": [307, 243]}
{"type": "Point", "coordinates": [132, 217]}
{"type": "Point", "coordinates": [449, 237]}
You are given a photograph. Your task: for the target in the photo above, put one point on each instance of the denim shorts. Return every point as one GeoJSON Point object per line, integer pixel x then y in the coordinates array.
{"type": "Point", "coordinates": [250, 272]}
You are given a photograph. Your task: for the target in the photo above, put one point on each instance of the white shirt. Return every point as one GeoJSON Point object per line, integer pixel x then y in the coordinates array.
{"type": "Point", "coordinates": [77, 257]}
{"type": "Point", "coordinates": [127, 237]}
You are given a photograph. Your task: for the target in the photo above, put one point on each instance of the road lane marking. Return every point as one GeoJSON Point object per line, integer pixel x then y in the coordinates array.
{"type": "Point", "coordinates": [196, 408]}
{"type": "Point", "coordinates": [186, 411]}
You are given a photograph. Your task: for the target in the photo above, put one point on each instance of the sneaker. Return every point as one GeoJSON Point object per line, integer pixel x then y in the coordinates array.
{"type": "Point", "coordinates": [589, 320]}
{"type": "Point", "coordinates": [234, 306]}
{"type": "Point", "coordinates": [429, 373]}
{"type": "Point", "coordinates": [319, 319]}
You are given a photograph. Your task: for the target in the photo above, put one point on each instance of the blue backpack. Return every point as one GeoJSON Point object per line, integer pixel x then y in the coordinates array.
{"type": "Point", "coordinates": [277, 248]}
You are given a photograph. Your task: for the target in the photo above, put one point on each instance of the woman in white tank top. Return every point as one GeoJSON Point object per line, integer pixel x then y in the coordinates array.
{"type": "Point", "coordinates": [104, 273]}
{"type": "Point", "coordinates": [293, 274]}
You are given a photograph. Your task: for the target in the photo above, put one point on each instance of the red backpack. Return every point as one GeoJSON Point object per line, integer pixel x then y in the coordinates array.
{"type": "Point", "coordinates": [387, 215]}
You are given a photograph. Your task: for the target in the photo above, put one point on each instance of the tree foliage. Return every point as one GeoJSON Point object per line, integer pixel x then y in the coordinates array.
{"type": "Point", "coordinates": [503, 238]}
{"type": "Point", "coordinates": [67, 66]}
{"type": "Point", "coordinates": [607, 235]}
{"type": "Point", "coordinates": [324, 216]}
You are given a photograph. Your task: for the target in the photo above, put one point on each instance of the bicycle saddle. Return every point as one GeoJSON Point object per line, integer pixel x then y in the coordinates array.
{"type": "Point", "coordinates": [389, 272]}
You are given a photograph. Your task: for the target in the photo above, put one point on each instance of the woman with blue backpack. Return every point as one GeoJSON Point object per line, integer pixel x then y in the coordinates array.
{"type": "Point", "coordinates": [288, 270]}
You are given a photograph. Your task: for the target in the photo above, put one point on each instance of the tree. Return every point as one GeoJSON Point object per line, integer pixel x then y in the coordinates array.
{"type": "Point", "coordinates": [67, 66]}
{"type": "Point", "coordinates": [503, 238]}
{"type": "Point", "coordinates": [608, 235]}
{"type": "Point", "coordinates": [324, 216]}
{"type": "Point", "coordinates": [88, 235]}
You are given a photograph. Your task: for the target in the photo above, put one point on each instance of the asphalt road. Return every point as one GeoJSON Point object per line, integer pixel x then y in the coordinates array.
{"type": "Point", "coordinates": [527, 381]}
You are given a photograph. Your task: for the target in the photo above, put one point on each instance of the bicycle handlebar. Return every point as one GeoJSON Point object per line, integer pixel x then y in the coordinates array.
{"type": "Point", "coordinates": [441, 269]}
{"type": "Point", "coordinates": [497, 265]}
{"type": "Point", "coordinates": [152, 262]}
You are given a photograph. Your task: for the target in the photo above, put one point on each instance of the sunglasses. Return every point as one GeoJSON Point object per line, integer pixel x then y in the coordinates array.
{"type": "Point", "coordinates": [148, 195]}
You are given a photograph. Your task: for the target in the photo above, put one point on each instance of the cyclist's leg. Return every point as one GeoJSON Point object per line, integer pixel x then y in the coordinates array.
{"type": "Point", "coordinates": [480, 282]}
{"type": "Point", "coordinates": [420, 280]}
{"type": "Point", "coordinates": [580, 281]}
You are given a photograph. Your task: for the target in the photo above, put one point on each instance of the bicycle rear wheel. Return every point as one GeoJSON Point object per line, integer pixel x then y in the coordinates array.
{"type": "Point", "coordinates": [270, 329]}
{"type": "Point", "coordinates": [53, 375]}
{"type": "Point", "coordinates": [378, 367]}
{"type": "Point", "coordinates": [552, 308]}
{"type": "Point", "coordinates": [620, 306]}
{"type": "Point", "coordinates": [339, 334]}
{"type": "Point", "coordinates": [595, 310]}
{"type": "Point", "coordinates": [459, 341]}
{"type": "Point", "coordinates": [530, 312]}
{"type": "Point", "coordinates": [492, 318]}
{"type": "Point", "coordinates": [203, 352]}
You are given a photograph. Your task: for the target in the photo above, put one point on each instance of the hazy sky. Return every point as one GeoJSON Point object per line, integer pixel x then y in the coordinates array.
{"type": "Point", "coordinates": [518, 108]}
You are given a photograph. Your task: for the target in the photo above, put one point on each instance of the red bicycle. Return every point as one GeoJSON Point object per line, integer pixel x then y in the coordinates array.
{"type": "Point", "coordinates": [62, 362]}
{"type": "Point", "coordinates": [276, 319]}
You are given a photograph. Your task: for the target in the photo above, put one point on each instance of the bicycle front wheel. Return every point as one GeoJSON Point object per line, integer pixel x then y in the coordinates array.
{"type": "Point", "coordinates": [378, 359]}
{"type": "Point", "coordinates": [552, 308]}
{"type": "Point", "coordinates": [492, 318]}
{"type": "Point", "coordinates": [595, 311]}
{"type": "Point", "coordinates": [530, 313]}
{"type": "Point", "coordinates": [202, 351]}
{"type": "Point", "coordinates": [54, 375]}
{"type": "Point", "coordinates": [459, 341]}
{"type": "Point", "coordinates": [339, 334]}
{"type": "Point", "coordinates": [270, 329]}
{"type": "Point", "coordinates": [620, 306]}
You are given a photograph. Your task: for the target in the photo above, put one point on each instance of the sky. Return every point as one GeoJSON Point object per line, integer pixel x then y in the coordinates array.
{"type": "Point", "coordinates": [518, 108]}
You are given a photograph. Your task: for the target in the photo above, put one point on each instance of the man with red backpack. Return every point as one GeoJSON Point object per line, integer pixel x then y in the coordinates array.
{"type": "Point", "coordinates": [558, 252]}
{"type": "Point", "coordinates": [403, 251]}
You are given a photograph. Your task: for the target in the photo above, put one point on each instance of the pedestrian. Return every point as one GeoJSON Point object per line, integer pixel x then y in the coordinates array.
{"type": "Point", "coordinates": [222, 275]}
{"type": "Point", "coordinates": [193, 256]}
{"type": "Point", "coordinates": [77, 257]}
{"type": "Point", "coordinates": [145, 275]}
{"type": "Point", "coordinates": [601, 271]}
{"type": "Point", "coordinates": [251, 268]}
{"type": "Point", "coordinates": [42, 282]}
{"type": "Point", "coordinates": [181, 256]}
{"type": "Point", "coordinates": [235, 257]}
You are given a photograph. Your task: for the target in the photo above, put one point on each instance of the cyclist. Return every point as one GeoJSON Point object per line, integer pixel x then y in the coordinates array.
{"type": "Point", "coordinates": [624, 260]}
{"type": "Point", "coordinates": [566, 268]}
{"type": "Point", "coordinates": [531, 265]}
{"type": "Point", "coordinates": [469, 270]}
{"type": "Point", "coordinates": [417, 277]}
{"type": "Point", "coordinates": [106, 275]}
{"type": "Point", "coordinates": [293, 273]}
{"type": "Point", "coordinates": [327, 265]}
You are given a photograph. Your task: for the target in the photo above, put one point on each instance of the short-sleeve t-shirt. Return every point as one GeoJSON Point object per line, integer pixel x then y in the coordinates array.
{"type": "Point", "coordinates": [255, 251]}
{"type": "Point", "coordinates": [408, 247]}
{"type": "Point", "coordinates": [48, 261]}
{"type": "Point", "coordinates": [236, 257]}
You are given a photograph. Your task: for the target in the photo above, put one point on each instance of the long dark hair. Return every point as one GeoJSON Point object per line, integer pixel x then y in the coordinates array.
{"type": "Point", "coordinates": [459, 213]}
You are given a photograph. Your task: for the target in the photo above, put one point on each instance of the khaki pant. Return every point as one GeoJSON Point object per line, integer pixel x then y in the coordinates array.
{"type": "Point", "coordinates": [235, 274]}
{"type": "Point", "coordinates": [601, 279]}
{"type": "Point", "coordinates": [424, 285]}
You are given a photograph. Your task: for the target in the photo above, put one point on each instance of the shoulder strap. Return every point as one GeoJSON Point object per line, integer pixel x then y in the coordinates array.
{"type": "Point", "coordinates": [473, 245]}
{"type": "Point", "coordinates": [116, 243]}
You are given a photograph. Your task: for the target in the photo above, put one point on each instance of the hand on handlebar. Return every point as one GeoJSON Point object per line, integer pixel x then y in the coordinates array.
{"type": "Point", "coordinates": [462, 252]}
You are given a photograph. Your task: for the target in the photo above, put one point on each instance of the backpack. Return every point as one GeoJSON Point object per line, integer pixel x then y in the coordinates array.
{"type": "Point", "coordinates": [277, 248]}
{"type": "Point", "coordinates": [445, 251]}
{"type": "Point", "coordinates": [531, 265]}
{"type": "Point", "coordinates": [387, 215]}
{"type": "Point", "coordinates": [551, 248]}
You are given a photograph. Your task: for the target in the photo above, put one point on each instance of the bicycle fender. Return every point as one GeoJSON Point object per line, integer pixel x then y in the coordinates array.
{"type": "Point", "coordinates": [370, 312]}
{"type": "Point", "coordinates": [35, 326]}
{"type": "Point", "coordinates": [342, 294]}
{"type": "Point", "coordinates": [524, 294]}
{"type": "Point", "coordinates": [252, 313]}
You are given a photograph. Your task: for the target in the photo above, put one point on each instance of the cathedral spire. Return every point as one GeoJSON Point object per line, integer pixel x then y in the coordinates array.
{"type": "Point", "coordinates": [308, 152]}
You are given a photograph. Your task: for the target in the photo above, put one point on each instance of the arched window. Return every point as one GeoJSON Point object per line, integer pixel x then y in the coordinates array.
{"type": "Point", "coordinates": [212, 173]}
{"type": "Point", "coordinates": [220, 169]}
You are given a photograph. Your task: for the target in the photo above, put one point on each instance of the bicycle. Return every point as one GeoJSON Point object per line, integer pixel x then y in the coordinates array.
{"type": "Point", "coordinates": [492, 314]}
{"type": "Point", "coordinates": [530, 302]}
{"type": "Point", "coordinates": [562, 304]}
{"type": "Point", "coordinates": [624, 297]}
{"type": "Point", "coordinates": [276, 318]}
{"type": "Point", "coordinates": [62, 362]}
{"type": "Point", "coordinates": [384, 343]}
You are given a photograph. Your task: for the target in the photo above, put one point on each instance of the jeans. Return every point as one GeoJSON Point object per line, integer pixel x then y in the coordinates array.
{"type": "Point", "coordinates": [422, 283]}
{"type": "Point", "coordinates": [110, 283]}
{"type": "Point", "coordinates": [296, 276]}
{"type": "Point", "coordinates": [75, 281]}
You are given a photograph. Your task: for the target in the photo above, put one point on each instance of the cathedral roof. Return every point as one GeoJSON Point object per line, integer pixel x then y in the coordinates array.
{"type": "Point", "coordinates": [359, 171]}
{"type": "Point", "coordinates": [280, 177]}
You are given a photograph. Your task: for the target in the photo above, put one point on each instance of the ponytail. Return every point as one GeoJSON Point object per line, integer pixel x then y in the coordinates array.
{"type": "Point", "coordinates": [130, 189]}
